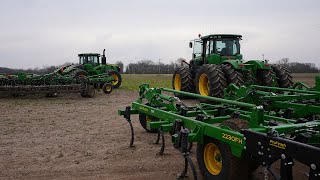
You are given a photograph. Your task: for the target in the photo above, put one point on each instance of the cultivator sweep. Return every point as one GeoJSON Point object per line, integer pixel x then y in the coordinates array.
{"type": "Point", "coordinates": [53, 83]}
{"type": "Point", "coordinates": [250, 126]}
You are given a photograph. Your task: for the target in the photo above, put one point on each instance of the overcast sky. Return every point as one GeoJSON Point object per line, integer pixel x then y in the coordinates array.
{"type": "Point", "coordinates": [36, 33]}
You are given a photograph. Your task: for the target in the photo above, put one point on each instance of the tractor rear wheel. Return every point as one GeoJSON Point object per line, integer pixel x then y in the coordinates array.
{"type": "Point", "coordinates": [283, 75]}
{"type": "Point", "coordinates": [118, 79]}
{"type": "Point", "coordinates": [264, 77]}
{"type": "Point", "coordinates": [210, 81]}
{"type": "Point", "coordinates": [232, 75]}
{"type": "Point", "coordinates": [216, 160]}
{"type": "Point", "coordinates": [143, 118]}
{"type": "Point", "coordinates": [182, 81]}
{"type": "Point", "coordinates": [107, 88]}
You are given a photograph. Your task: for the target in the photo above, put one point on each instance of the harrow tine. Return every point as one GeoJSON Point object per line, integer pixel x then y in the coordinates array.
{"type": "Point", "coordinates": [158, 137]}
{"type": "Point", "coordinates": [163, 142]}
{"type": "Point", "coordinates": [127, 116]}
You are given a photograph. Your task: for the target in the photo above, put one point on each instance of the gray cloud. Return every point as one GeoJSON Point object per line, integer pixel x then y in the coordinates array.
{"type": "Point", "coordinates": [42, 32]}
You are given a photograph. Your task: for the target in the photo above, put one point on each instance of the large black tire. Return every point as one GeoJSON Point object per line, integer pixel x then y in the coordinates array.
{"type": "Point", "coordinates": [182, 81]}
{"type": "Point", "coordinates": [210, 81]}
{"type": "Point", "coordinates": [264, 77]}
{"type": "Point", "coordinates": [117, 76]}
{"type": "Point", "coordinates": [232, 75]}
{"type": "Point", "coordinates": [216, 161]}
{"type": "Point", "coordinates": [90, 91]}
{"type": "Point", "coordinates": [283, 75]}
{"type": "Point", "coordinates": [107, 88]}
{"type": "Point", "coordinates": [143, 118]}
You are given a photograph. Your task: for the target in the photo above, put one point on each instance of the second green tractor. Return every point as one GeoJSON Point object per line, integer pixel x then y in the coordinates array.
{"type": "Point", "coordinates": [90, 65]}
{"type": "Point", "coordinates": [217, 62]}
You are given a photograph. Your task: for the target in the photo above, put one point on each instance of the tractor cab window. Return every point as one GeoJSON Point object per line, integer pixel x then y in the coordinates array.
{"type": "Point", "coordinates": [209, 49]}
{"type": "Point", "coordinates": [82, 60]}
{"type": "Point", "coordinates": [197, 48]}
{"type": "Point", "coordinates": [93, 60]}
{"type": "Point", "coordinates": [227, 47]}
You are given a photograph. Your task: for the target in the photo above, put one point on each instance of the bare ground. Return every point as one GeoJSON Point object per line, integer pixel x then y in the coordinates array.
{"type": "Point", "coordinates": [69, 137]}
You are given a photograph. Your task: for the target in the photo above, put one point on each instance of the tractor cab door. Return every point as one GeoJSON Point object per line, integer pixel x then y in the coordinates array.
{"type": "Point", "coordinates": [197, 55]}
{"type": "Point", "coordinates": [211, 56]}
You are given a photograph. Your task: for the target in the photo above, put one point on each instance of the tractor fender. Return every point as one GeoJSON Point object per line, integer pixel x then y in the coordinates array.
{"type": "Point", "coordinates": [258, 64]}
{"type": "Point", "coordinates": [234, 63]}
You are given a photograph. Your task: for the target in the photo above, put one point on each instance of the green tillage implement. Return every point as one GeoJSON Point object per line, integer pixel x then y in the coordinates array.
{"type": "Point", "coordinates": [53, 83]}
{"type": "Point", "coordinates": [237, 134]}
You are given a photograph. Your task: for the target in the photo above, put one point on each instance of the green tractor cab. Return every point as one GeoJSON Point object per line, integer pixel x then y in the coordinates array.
{"type": "Point", "coordinates": [217, 62]}
{"type": "Point", "coordinates": [90, 62]}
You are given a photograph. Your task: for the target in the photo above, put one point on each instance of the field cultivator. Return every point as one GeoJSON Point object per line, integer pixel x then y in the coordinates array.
{"type": "Point", "coordinates": [249, 127]}
{"type": "Point", "coordinates": [53, 83]}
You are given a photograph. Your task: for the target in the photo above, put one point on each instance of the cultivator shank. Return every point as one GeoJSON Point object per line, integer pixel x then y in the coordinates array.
{"type": "Point", "coordinates": [259, 125]}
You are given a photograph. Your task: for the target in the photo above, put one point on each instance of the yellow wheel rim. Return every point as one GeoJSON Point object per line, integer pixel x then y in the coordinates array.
{"type": "Point", "coordinates": [212, 159]}
{"type": "Point", "coordinates": [177, 82]}
{"type": "Point", "coordinates": [108, 88]}
{"type": "Point", "coordinates": [116, 79]}
{"type": "Point", "coordinates": [148, 119]}
{"type": "Point", "coordinates": [204, 85]}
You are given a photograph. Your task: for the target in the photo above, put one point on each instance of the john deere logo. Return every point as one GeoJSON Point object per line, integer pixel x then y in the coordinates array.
{"type": "Point", "coordinates": [277, 144]}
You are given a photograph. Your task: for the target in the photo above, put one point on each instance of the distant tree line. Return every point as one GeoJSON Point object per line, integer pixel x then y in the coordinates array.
{"type": "Point", "coordinates": [149, 67]}
{"type": "Point", "coordinates": [37, 70]}
{"type": "Point", "coordinates": [296, 67]}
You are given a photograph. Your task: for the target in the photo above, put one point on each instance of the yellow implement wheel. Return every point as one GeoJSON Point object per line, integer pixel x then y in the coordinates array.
{"type": "Point", "coordinates": [204, 87]}
{"type": "Point", "coordinates": [177, 82]}
{"type": "Point", "coordinates": [116, 79]}
{"type": "Point", "coordinates": [212, 158]}
{"type": "Point", "coordinates": [107, 88]}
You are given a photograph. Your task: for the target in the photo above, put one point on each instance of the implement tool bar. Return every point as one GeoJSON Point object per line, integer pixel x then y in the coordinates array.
{"type": "Point", "coordinates": [285, 89]}
{"type": "Point", "coordinates": [237, 103]}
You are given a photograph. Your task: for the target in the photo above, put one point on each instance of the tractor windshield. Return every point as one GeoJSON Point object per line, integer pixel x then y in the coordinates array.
{"type": "Point", "coordinates": [227, 47]}
{"type": "Point", "coordinates": [94, 60]}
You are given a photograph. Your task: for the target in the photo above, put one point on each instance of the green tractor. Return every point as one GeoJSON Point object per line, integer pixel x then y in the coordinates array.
{"type": "Point", "coordinates": [217, 62]}
{"type": "Point", "coordinates": [89, 65]}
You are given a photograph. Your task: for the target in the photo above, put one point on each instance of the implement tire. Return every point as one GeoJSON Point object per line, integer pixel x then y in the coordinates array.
{"type": "Point", "coordinates": [264, 77]}
{"type": "Point", "coordinates": [143, 118]}
{"type": "Point", "coordinates": [182, 81]}
{"type": "Point", "coordinates": [107, 88]}
{"type": "Point", "coordinates": [283, 75]}
{"type": "Point", "coordinates": [90, 92]}
{"type": "Point", "coordinates": [210, 81]}
{"type": "Point", "coordinates": [216, 160]}
{"type": "Point", "coordinates": [117, 76]}
{"type": "Point", "coordinates": [232, 75]}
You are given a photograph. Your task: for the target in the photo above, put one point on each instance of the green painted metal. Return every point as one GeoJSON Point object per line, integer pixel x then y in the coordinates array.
{"type": "Point", "coordinates": [259, 105]}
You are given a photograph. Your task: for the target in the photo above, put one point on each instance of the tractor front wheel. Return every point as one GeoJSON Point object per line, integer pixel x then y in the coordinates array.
{"type": "Point", "coordinates": [182, 81]}
{"type": "Point", "coordinates": [107, 88]}
{"type": "Point", "coordinates": [210, 81]}
{"type": "Point", "coordinates": [117, 78]}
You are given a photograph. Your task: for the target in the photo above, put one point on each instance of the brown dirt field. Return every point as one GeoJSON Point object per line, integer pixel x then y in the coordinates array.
{"type": "Point", "coordinates": [69, 137]}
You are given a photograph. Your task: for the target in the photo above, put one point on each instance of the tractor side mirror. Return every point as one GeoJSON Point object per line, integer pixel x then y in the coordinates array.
{"type": "Point", "coordinates": [190, 44]}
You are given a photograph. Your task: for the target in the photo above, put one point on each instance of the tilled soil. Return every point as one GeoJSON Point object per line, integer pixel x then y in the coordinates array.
{"type": "Point", "coordinates": [70, 137]}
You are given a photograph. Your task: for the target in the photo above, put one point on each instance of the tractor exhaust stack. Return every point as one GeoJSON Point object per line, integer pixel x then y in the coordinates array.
{"type": "Point", "coordinates": [103, 58]}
